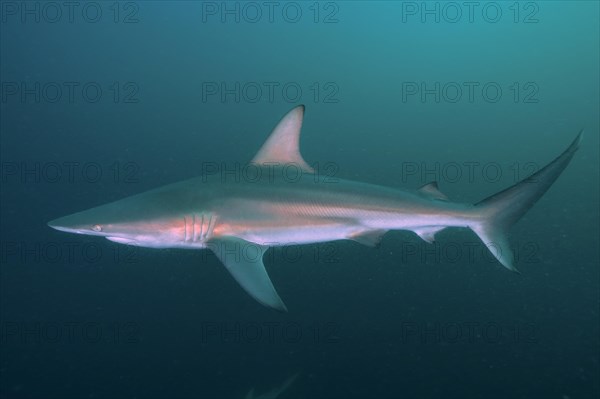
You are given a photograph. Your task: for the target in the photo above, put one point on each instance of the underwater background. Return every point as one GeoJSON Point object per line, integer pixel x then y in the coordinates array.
{"type": "Point", "coordinates": [102, 100]}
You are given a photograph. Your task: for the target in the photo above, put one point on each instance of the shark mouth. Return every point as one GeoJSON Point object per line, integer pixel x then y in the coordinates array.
{"type": "Point", "coordinates": [121, 240]}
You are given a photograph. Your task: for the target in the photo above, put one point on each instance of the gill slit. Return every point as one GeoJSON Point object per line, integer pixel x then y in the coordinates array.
{"type": "Point", "coordinates": [185, 229]}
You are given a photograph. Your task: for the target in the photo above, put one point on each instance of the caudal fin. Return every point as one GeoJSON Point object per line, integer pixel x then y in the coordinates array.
{"type": "Point", "coordinates": [496, 214]}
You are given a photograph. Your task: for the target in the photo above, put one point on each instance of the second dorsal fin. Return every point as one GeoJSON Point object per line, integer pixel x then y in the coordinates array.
{"type": "Point", "coordinates": [431, 190]}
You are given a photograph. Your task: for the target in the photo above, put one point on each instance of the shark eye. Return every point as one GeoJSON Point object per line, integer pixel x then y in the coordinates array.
{"type": "Point", "coordinates": [97, 227]}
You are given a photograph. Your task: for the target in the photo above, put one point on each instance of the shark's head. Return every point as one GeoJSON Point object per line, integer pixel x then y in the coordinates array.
{"type": "Point", "coordinates": [100, 222]}
{"type": "Point", "coordinates": [85, 222]}
{"type": "Point", "coordinates": [142, 220]}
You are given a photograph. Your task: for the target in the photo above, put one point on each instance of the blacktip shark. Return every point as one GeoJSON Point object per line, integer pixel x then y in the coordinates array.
{"type": "Point", "coordinates": [239, 219]}
{"type": "Point", "coordinates": [275, 392]}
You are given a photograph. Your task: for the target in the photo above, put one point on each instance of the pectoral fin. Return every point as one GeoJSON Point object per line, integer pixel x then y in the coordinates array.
{"type": "Point", "coordinates": [244, 260]}
{"type": "Point", "coordinates": [250, 394]}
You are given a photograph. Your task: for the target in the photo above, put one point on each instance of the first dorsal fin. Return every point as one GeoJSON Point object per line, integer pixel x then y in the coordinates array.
{"type": "Point", "coordinates": [283, 145]}
{"type": "Point", "coordinates": [431, 190]}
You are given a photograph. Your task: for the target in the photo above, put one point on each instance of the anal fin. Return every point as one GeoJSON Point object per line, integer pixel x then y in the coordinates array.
{"type": "Point", "coordinates": [428, 233]}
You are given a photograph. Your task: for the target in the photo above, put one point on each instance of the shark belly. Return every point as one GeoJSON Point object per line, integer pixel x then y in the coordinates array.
{"type": "Point", "coordinates": [282, 225]}
{"type": "Point", "coordinates": [292, 234]}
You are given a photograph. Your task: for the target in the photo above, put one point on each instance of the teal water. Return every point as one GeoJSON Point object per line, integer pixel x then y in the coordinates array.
{"type": "Point", "coordinates": [102, 100]}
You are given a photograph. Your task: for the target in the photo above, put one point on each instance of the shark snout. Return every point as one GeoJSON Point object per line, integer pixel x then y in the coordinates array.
{"type": "Point", "coordinates": [74, 224]}
{"type": "Point", "coordinates": [63, 224]}
{"type": "Point", "coordinates": [55, 224]}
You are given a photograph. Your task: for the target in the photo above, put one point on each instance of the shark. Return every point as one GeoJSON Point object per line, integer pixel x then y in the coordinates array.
{"type": "Point", "coordinates": [275, 392]}
{"type": "Point", "coordinates": [239, 219]}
